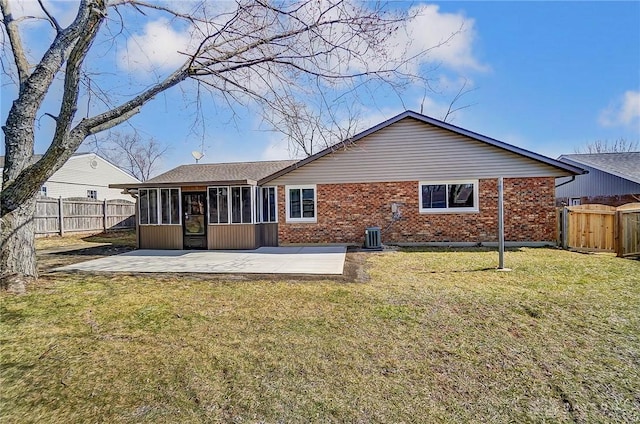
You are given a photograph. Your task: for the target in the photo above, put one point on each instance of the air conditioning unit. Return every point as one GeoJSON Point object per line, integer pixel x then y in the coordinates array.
{"type": "Point", "coordinates": [372, 238]}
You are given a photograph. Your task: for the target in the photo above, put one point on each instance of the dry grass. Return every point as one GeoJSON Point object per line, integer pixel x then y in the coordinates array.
{"type": "Point", "coordinates": [434, 336]}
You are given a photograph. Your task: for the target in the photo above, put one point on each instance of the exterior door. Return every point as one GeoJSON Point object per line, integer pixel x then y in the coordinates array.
{"type": "Point", "coordinates": [194, 223]}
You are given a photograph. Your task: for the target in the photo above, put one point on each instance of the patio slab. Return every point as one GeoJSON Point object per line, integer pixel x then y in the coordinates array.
{"type": "Point", "coordinates": [322, 260]}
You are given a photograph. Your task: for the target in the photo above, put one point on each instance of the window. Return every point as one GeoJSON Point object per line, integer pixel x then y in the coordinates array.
{"type": "Point", "coordinates": [170, 206]}
{"type": "Point", "coordinates": [575, 201]}
{"type": "Point", "coordinates": [43, 191]}
{"type": "Point", "coordinates": [301, 203]}
{"type": "Point", "coordinates": [230, 205]}
{"type": "Point", "coordinates": [218, 205]}
{"type": "Point", "coordinates": [457, 196]}
{"type": "Point", "coordinates": [268, 204]}
{"type": "Point", "coordinates": [159, 206]}
{"type": "Point", "coordinates": [92, 194]}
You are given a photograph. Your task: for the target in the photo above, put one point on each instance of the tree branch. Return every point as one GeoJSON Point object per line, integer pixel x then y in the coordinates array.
{"type": "Point", "coordinates": [17, 48]}
{"type": "Point", "coordinates": [52, 20]}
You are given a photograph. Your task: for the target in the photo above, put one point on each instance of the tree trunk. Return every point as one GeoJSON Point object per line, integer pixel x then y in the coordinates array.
{"type": "Point", "coordinates": [17, 247]}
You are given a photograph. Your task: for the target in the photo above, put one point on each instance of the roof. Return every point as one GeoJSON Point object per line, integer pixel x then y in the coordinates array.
{"type": "Point", "coordinates": [76, 155]}
{"type": "Point", "coordinates": [576, 170]}
{"type": "Point", "coordinates": [624, 164]}
{"type": "Point", "coordinates": [214, 173]}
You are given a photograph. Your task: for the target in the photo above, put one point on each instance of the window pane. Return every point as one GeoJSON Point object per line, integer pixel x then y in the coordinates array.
{"type": "Point", "coordinates": [295, 210]}
{"type": "Point", "coordinates": [434, 196]}
{"type": "Point", "coordinates": [258, 194]}
{"type": "Point", "coordinates": [153, 206]}
{"type": "Point", "coordinates": [165, 205]}
{"type": "Point", "coordinates": [175, 206]}
{"type": "Point", "coordinates": [461, 196]}
{"type": "Point", "coordinates": [308, 208]}
{"type": "Point", "coordinates": [223, 205]}
{"type": "Point", "coordinates": [236, 205]}
{"type": "Point", "coordinates": [213, 205]}
{"type": "Point", "coordinates": [265, 204]}
{"type": "Point", "coordinates": [144, 206]}
{"type": "Point", "coordinates": [272, 204]}
{"type": "Point", "coordinates": [246, 204]}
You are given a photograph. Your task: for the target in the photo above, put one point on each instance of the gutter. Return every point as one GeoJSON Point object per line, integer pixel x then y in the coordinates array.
{"type": "Point", "coordinates": [573, 178]}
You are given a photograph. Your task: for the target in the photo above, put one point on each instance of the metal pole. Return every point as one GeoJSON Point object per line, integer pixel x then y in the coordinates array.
{"type": "Point", "coordinates": [500, 223]}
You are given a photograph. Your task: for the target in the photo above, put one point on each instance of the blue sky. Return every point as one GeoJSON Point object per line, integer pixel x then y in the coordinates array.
{"type": "Point", "coordinates": [546, 76]}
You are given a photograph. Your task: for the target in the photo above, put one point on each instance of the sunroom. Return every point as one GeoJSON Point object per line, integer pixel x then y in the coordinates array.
{"type": "Point", "coordinates": [212, 206]}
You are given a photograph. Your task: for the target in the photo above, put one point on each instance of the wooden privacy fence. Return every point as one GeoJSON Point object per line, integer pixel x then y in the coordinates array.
{"type": "Point", "coordinates": [600, 228]}
{"type": "Point", "coordinates": [60, 216]}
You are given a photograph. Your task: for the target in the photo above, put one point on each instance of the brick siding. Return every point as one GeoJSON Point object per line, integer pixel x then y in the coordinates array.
{"type": "Point", "coordinates": [345, 210]}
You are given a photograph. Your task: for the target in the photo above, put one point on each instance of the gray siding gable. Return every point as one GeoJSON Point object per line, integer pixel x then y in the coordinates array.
{"type": "Point", "coordinates": [596, 183]}
{"type": "Point", "coordinates": [415, 147]}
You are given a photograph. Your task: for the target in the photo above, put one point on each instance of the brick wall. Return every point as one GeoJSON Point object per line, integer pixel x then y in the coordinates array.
{"type": "Point", "coordinates": [345, 210]}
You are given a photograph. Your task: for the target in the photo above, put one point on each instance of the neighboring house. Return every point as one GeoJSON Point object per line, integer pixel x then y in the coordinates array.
{"type": "Point", "coordinates": [85, 175]}
{"type": "Point", "coordinates": [613, 179]}
{"type": "Point", "coordinates": [420, 180]}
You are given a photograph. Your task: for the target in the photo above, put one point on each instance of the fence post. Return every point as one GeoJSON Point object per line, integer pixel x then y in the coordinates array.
{"type": "Point", "coordinates": [565, 227]}
{"type": "Point", "coordinates": [61, 215]}
{"type": "Point", "coordinates": [617, 234]}
{"type": "Point", "coordinates": [104, 215]}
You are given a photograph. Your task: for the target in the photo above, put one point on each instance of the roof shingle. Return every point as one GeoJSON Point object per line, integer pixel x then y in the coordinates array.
{"type": "Point", "coordinates": [624, 164]}
{"type": "Point", "coordinates": [215, 173]}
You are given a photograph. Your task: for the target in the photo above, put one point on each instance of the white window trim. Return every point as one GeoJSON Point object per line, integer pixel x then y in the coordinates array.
{"type": "Point", "coordinates": [315, 203]}
{"type": "Point", "coordinates": [260, 206]}
{"type": "Point", "coordinates": [159, 206]}
{"type": "Point", "coordinates": [476, 197]}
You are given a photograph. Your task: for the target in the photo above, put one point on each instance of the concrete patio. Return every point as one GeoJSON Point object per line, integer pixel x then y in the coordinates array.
{"type": "Point", "coordinates": [321, 260]}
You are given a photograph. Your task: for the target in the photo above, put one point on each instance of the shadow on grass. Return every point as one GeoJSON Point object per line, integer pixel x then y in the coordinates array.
{"type": "Point", "coordinates": [452, 249]}
{"type": "Point", "coordinates": [95, 251]}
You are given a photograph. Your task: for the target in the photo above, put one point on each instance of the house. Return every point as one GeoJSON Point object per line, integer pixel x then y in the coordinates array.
{"type": "Point", "coordinates": [613, 179]}
{"type": "Point", "coordinates": [419, 179]}
{"type": "Point", "coordinates": [85, 175]}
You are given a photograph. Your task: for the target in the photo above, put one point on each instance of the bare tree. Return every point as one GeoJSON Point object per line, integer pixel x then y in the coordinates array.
{"type": "Point", "coordinates": [603, 146]}
{"type": "Point", "coordinates": [130, 152]}
{"type": "Point", "coordinates": [248, 53]}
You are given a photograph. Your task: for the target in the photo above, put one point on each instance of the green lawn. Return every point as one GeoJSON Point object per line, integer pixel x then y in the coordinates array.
{"type": "Point", "coordinates": [432, 336]}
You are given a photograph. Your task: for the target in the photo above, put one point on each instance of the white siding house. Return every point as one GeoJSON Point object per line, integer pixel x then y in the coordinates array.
{"type": "Point", "coordinates": [86, 175]}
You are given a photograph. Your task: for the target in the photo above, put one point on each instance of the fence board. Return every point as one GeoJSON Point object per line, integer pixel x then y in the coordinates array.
{"type": "Point", "coordinates": [591, 228]}
{"type": "Point", "coordinates": [628, 230]}
{"type": "Point", "coordinates": [82, 215]}
{"type": "Point", "coordinates": [601, 228]}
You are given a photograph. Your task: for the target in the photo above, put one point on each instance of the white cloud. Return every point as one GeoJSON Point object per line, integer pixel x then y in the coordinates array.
{"type": "Point", "coordinates": [158, 48]}
{"type": "Point", "coordinates": [623, 112]}
{"type": "Point", "coordinates": [277, 149]}
{"type": "Point", "coordinates": [449, 36]}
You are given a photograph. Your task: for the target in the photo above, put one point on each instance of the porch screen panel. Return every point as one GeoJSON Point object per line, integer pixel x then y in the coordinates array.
{"type": "Point", "coordinates": [268, 204]}
{"type": "Point", "coordinates": [246, 204]}
{"type": "Point", "coordinates": [175, 206]}
{"type": "Point", "coordinates": [144, 206]}
{"type": "Point", "coordinates": [153, 206]}
{"type": "Point", "coordinates": [236, 205]}
{"type": "Point", "coordinates": [169, 206]}
{"type": "Point", "coordinates": [218, 205]}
